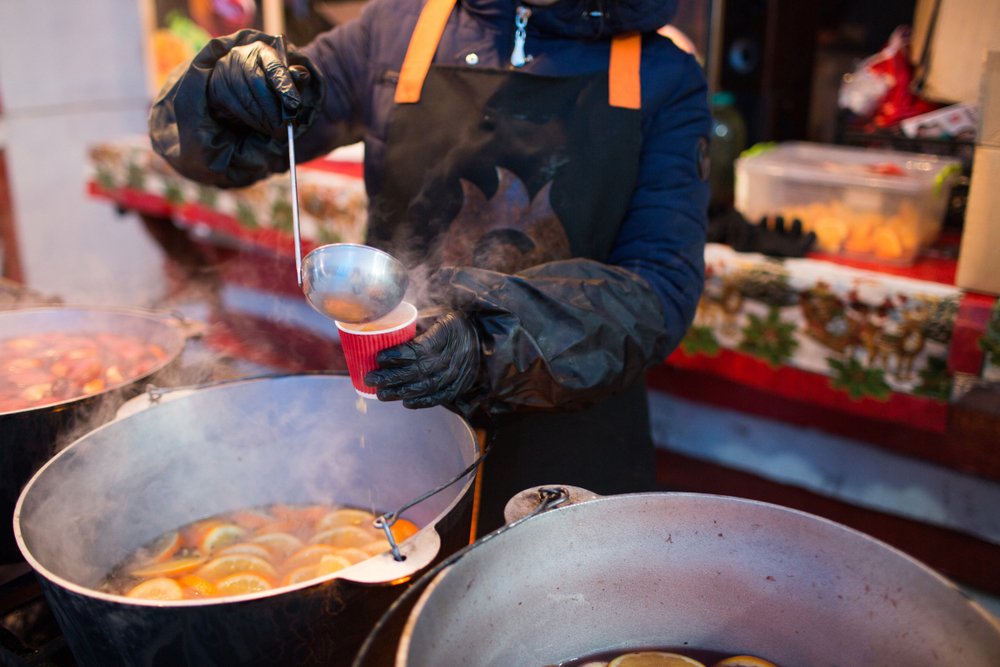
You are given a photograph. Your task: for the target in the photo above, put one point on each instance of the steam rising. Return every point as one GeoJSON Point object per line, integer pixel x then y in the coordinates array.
{"type": "Point", "coordinates": [248, 444]}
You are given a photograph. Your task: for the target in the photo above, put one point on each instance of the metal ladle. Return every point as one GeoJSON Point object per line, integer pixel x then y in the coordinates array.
{"type": "Point", "coordinates": [348, 282]}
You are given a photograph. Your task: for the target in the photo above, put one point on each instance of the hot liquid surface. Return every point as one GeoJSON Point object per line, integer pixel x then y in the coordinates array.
{"type": "Point", "coordinates": [251, 550]}
{"type": "Point", "coordinates": [52, 367]}
{"type": "Point", "coordinates": [686, 657]}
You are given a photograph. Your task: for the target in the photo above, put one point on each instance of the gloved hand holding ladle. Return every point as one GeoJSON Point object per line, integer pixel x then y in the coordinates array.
{"type": "Point", "coordinates": [347, 282]}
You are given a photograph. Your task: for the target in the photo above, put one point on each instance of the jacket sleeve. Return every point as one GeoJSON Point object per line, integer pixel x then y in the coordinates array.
{"type": "Point", "coordinates": [183, 129]}
{"type": "Point", "coordinates": [662, 238]}
{"type": "Point", "coordinates": [564, 335]}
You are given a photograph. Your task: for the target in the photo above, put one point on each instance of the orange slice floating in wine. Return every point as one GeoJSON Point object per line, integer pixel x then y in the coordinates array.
{"type": "Point", "coordinates": [240, 583]}
{"type": "Point", "coordinates": [223, 566]}
{"type": "Point", "coordinates": [343, 536]}
{"type": "Point", "coordinates": [279, 544]}
{"type": "Point", "coordinates": [159, 588]}
{"type": "Point", "coordinates": [174, 567]}
{"type": "Point", "coordinates": [744, 661]}
{"type": "Point", "coordinates": [654, 659]}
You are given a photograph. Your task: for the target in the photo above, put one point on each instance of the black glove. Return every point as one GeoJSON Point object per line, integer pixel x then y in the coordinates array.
{"type": "Point", "coordinates": [250, 87]}
{"type": "Point", "coordinates": [779, 240]}
{"type": "Point", "coordinates": [435, 368]}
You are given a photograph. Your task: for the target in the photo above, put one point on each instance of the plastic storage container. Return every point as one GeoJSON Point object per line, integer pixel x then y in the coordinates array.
{"type": "Point", "coordinates": [862, 203]}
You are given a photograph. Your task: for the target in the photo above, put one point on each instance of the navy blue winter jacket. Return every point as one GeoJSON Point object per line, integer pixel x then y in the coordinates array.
{"type": "Point", "coordinates": [661, 238]}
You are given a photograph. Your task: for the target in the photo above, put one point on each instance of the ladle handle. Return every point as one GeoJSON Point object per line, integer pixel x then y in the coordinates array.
{"type": "Point", "coordinates": [279, 45]}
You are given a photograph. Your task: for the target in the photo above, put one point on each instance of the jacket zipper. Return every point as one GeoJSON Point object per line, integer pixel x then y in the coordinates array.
{"type": "Point", "coordinates": [517, 56]}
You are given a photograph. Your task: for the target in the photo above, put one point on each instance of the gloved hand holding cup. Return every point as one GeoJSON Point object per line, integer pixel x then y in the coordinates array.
{"type": "Point", "coordinates": [363, 341]}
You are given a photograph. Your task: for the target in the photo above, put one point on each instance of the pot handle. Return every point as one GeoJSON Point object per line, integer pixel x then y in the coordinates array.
{"type": "Point", "coordinates": [548, 498]}
{"type": "Point", "coordinates": [190, 328]}
{"type": "Point", "coordinates": [539, 499]}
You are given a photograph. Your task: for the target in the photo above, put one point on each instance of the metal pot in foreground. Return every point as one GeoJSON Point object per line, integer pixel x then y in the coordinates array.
{"type": "Point", "coordinates": [680, 570]}
{"type": "Point", "coordinates": [292, 439]}
{"type": "Point", "coordinates": [29, 437]}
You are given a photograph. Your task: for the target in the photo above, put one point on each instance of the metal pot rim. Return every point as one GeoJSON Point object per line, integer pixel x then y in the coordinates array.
{"type": "Point", "coordinates": [170, 321]}
{"type": "Point", "coordinates": [381, 570]}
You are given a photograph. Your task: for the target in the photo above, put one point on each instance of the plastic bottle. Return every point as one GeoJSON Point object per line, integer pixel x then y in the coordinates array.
{"type": "Point", "coordinates": [728, 140]}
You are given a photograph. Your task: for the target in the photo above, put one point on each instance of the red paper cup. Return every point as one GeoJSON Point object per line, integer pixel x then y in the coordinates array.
{"type": "Point", "coordinates": [361, 342]}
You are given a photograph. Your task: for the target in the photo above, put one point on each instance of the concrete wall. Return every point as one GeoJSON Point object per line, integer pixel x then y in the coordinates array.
{"type": "Point", "coordinates": [71, 74]}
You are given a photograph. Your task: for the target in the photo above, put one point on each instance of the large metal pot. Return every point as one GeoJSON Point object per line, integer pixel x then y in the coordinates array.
{"type": "Point", "coordinates": [29, 437]}
{"type": "Point", "coordinates": [291, 439]}
{"type": "Point", "coordinates": [692, 571]}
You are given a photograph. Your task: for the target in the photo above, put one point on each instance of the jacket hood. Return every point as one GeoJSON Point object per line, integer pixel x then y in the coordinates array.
{"type": "Point", "coordinates": [587, 18]}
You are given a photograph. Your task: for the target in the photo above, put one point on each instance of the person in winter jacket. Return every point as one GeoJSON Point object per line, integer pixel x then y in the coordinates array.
{"type": "Point", "coordinates": [542, 163]}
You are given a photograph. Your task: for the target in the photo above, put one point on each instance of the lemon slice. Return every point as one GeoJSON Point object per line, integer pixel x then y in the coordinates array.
{"type": "Point", "coordinates": [352, 554]}
{"type": "Point", "coordinates": [375, 548]}
{"type": "Point", "coordinates": [258, 550]}
{"type": "Point", "coordinates": [299, 574]}
{"type": "Point", "coordinates": [744, 661]}
{"type": "Point", "coordinates": [240, 583]}
{"type": "Point", "coordinates": [223, 566]}
{"type": "Point", "coordinates": [170, 568]}
{"type": "Point", "coordinates": [163, 548]}
{"type": "Point", "coordinates": [160, 588]}
{"type": "Point", "coordinates": [220, 535]}
{"type": "Point", "coordinates": [343, 537]}
{"type": "Point", "coordinates": [654, 659]}
{"type": "Point", "coordinates": [346, 516]}
{"type": "Point", "coordinates": [330, 564]}
{"type": "Point", "coordinates": [310, 555]}
{"type": "Point", "coordinates": [280, 544]}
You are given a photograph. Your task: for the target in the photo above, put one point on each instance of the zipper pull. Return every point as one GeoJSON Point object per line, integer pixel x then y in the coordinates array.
{"type": "Point", "coordinates": [517, 56]}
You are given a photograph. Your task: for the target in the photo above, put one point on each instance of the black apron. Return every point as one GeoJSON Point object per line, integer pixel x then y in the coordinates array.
{"type": "Point", "coordinates": [503, 170]}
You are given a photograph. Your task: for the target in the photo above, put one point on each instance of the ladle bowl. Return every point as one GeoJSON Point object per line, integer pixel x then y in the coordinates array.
{"type": "Point", "coordinates": [353, 283]}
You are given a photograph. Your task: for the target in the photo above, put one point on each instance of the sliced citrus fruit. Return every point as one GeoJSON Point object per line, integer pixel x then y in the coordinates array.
{"type": "Point", "coordinates": [744, 661]}
{"type": "Point", "coordinates": [199, 587]}
{"type": "Point", "coordinates": [403, 529]}
{"type": "Point", "coordinates": [168, 568]}
{"type": "Point", "coordinates": [346, 516]}
{"type": "Point", "coordinates": [163, 548]}
{"type": "Point", "coordinates": [251, 519]}
{"type": "Point", "coordinates": [304, 515]}
{"type": "Point", "coordinates": [220, 535]}
{"type": "Point", "coordinates": [310, 555]}
{"type": "Point", "coordinates": [279, 544]}
{"type": "Point", "coordinates": [299, 574]}
{"type": "Point", "coordinates": [353, 554]}
{"type": "Point", "coordinates": [159, 588]}
{"type": "Point", "coordinates": [330, 564]}
{"type": "Point", "coordinates": [258, 550]}
{"type": "Point", "coordinates": [375, 548]}
{"type": "Point", "coordinates": [279, 526]}
{"type": "Point", "coordinates": [654, 659]}
{"type": "Point", "coordinates": [343, 536]}
{"type": "Point", "coordinates": [223, 566]}
{"type": "Point", "coordinates": [239, 583]}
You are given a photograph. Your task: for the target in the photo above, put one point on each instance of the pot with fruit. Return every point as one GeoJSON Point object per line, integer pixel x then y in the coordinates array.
{"type": "Point", "coordinates": [64, 370]}
{"type": "Point", "coordinates": [232, 524]}
{"type": "Point", "coordinates": [687, 579]}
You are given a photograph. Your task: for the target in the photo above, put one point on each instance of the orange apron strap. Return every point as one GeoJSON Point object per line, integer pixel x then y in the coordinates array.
{"type": "Point", "coordinates": [420, 52]}
{"type": "Point", "coordinates": [624, 88]}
